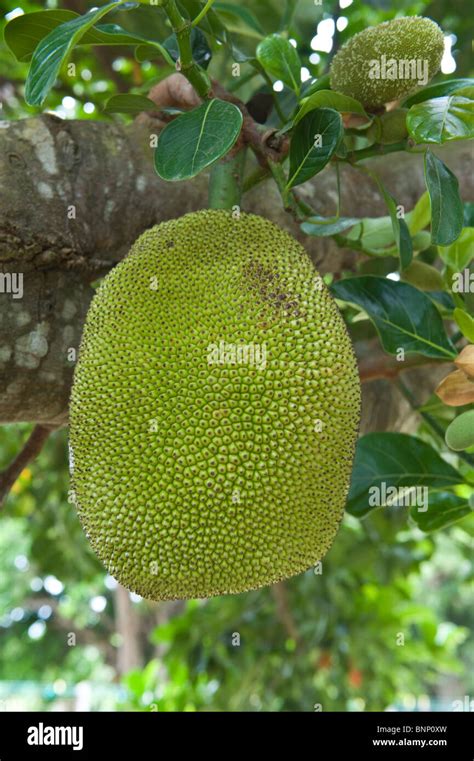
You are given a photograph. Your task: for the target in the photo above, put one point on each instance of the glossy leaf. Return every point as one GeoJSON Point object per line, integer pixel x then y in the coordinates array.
{"type": "Point", "coordinates": [403, 316]}
{"type": "Point", "coordinates": [196, 139]}
{"type": "Point", "coordinates": [330, 99]}
{"type": "Point", "coordinates": [278, 56]}
{"type": "Point", "coordinates": [24, 33]}
{"type": "Point", "coordinates": [322, 227]}
{"type": "Point", "coordinates": [442, 119]}
{"type": "Point", "coordinates": [437, 91]}
{"type": "Point", "coordinates": [384, 460]}
{"type": "Point", "coordinates": [446, 206]}
{"type": "Point", "coordinates": [314, 141]}
{"type": "Point", "coordinates": [309, 87]}
{"type": "Point", "coordinates": [53, 50]}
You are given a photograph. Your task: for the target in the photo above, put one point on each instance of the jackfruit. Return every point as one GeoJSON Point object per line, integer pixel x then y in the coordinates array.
{"type": "Point", "coordinates": [388, 61]}
{"type": "Point", "coordinates": [460, 432]}
{"type": "Point", "coordinates": [423, 276]}
{"type": "Point", "coordinates": [214, 410]}
{"type": "Point", "coordinates": [393, 126]}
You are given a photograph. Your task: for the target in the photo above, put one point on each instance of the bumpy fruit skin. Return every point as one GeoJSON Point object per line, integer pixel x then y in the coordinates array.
{"type": "Point", "coordinates": [195, 479]}
{"type": "Point", "coordinates": [393, 126]}
{"type": "Point", "coordinates": [423, 276]}
{"type": "Point", "coordinates": [409, 38]}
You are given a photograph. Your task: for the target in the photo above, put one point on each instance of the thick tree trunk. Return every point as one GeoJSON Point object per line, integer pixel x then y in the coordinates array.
{"type": "Point", "coordinates": [74, 195]}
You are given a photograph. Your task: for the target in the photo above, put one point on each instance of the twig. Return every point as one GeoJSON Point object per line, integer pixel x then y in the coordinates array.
{"type": "Point", "coordinates": [375, 150]}
{"type": "Point", "coordinates": [31, 449]}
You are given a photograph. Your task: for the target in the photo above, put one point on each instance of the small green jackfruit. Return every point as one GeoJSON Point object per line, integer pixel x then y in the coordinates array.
{"type": "Point", "coordinates": [388, 61]}
{"type": "Point", "coordinates": [422, 241]}
{"type": "Point", "coordinates": [423, 276]}
{"type": "Point", "coordinates": [214, 410]}
{"type": "Point", "coordinates": [393, 126]}
{"type": "Point", "coordinates": [460, 433]}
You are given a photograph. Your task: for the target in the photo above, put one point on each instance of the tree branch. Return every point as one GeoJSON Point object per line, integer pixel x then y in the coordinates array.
{"type": "Point", "coordinates": [31, 449]}
{"type": "Point", "coordinates": [74, 193]}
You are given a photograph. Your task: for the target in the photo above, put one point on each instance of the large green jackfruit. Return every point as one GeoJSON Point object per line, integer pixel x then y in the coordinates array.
{"type": "Point", "coordinates": [214, 410]}
{"type": "Point", "coordinates": [388, 61]}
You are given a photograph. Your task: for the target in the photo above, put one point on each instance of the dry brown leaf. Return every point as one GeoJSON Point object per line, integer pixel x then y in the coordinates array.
{"type": "Point", "coordinates": [456, 389]}
{"type": "Point", "coordinates": [465, 361]}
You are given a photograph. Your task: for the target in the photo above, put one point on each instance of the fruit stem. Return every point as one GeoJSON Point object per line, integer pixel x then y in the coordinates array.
{"type": "Point", "coordinates": [258, 175]}
{"type": "Point", "coordinates": [225, 181]}
{"type": "Point", "coordinates": [376, 150]}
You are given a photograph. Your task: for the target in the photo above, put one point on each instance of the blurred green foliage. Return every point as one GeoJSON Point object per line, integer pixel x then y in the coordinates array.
{"type": "Point", "coordinates": [385, 616]}
{"type": "Point", "coordinates": [388, 616]}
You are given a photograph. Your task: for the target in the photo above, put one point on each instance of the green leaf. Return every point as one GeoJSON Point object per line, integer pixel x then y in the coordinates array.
{"type": "Point", "coordinates": [403, 316]}
{"type": "Point", "coordinates": [442, 119]}
{"type": "Point", "coordinates": [400, 229]}
{"type": "Point", "coordinates": [437, 91]}
{"type": "Point", "coordinates": [384, 460]}
{"type": "Point", "coordinates": [196, 139]}
{"type": "Point", "coordinates": [322, 227]}
{"type": "Point", "coordinates": [444, 508]}
{"type": "Point", "coordinates": [113, 34]}
{"type": "Point", "coordinates": [374, 234]}
{"type": "Point", "coordinates": [465, 323]}
{"type": "Point", "coordinates": [329, 99]}
{"type": "Point", "coordinates": [53, 50]}
{"type": "Point", "coordinates": [201, 51]}
{"type": "Point", "coordinates": [460, 253]}
{"type": "Point", "coordinates": [129, 104]}
{"type": "Point", "coordinates": [278, 56]}
{"type": "Point", "coordinates": [24, 33]}
{"type": "Point", "coordinates": [419, 217]}
{"type": "Point", "coordinates": [446, 206]}
{"type": "Point", "coordinates": [247, 21]}
{"type": "Point", "coordinates": [309, 87]}
{"type": "Point", "coordinates": [314, 141]}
